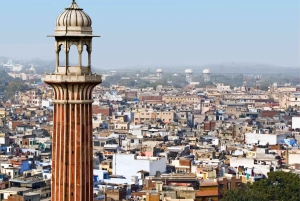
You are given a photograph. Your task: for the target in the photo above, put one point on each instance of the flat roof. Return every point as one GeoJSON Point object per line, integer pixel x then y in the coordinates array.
{"type": "Point", "coordinates": [14, 189]}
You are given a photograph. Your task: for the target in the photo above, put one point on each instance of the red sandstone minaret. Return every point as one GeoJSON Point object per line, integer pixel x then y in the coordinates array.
{"type": "Point", "coordinates": [72, 154]}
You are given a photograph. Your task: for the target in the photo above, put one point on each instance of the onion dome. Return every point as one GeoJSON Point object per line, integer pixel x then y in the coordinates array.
{"type": "Point", "coordinates": [74, 16]}
{"type": "Point", "coordinates": [73, 21]}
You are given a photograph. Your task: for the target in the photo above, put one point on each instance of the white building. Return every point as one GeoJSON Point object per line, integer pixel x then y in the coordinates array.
{"type": "Point", "coordinates": [17, 67]}
{"type": "Point", "coordinates": [260, 138]}
{"type": "Point", "coordinates": [22, 76]}
{"type": "Point", "coordinates": [293, 157]}
{"type": "Point", "coordinates": [236, 162]}
{"type": "Point", "coordinates": [221, 87]}
{"type": "Point", "coordinates": [46, 103]}
{"type": "Point", "coordinates": [129, 165]}
{"type": "Point", "coordinates": [295, 122]}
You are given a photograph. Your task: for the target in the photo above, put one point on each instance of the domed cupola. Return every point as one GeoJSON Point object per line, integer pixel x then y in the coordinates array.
{"type": "Point", "coordinates": [73, 21]}
{"type": "Point", "coordinates": [73, 27]}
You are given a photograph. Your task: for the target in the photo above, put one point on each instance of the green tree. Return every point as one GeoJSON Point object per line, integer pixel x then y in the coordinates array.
{"type": "Point", "coordinates": [127, 83]}
{"type": "Point", "coordinates": [283, 186]}
{"type": "Point", "coordinates": [113, 79]}
{"type": "Point", "coordinates": [179, 81]}
{"type": "Point", "coordinates": [14, 87]}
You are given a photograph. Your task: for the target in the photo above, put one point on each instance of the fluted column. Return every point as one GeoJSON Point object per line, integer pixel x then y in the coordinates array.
{"type": "Point", "coordinates": [72, 165]}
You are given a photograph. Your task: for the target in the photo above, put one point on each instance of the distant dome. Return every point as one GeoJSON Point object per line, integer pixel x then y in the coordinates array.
{"type": "Point", "coordinates": [188, 71]}
{"type": "Point", "coordinates": [159, 70]}
{"type": "Point", "coordinates": [32, 68]}
{"type": "Point", "coordinates": [74, 16]}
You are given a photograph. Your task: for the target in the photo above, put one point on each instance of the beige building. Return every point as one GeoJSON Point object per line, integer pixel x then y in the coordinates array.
{"type": "Point", "coordinates": [152, 116]}
{"type": "Point", "coordinates": [293, 156]}
{"type": "Point", "coordinates": [235, 96]}
{"type": "Point", "coordinates": [236, 110]}
{"type": "Point", "coordinates": [16, 193]}
{"type": "Point", "coordinates": [31, 98]}
{"type": "Point", "coordinates": [181, 99]}
{"type": "Point", "coordinates": [2, 116]}
{"type": "Point", "coordinates": [121, 126]}
{"type": "Point", "coordinates": [289, 99]}
{"type": "Point", "coordinates": [182, 165]}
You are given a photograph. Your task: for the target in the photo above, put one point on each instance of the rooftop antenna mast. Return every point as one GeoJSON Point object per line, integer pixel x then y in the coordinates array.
{"type": "Point", "coordinates": [257, 82]}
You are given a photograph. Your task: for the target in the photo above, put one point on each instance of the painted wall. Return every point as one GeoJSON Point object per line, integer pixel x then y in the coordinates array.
{"type": "Point", "coordinates": [128, 166]}
{"type": "Point", "coordinates": [263, 139]}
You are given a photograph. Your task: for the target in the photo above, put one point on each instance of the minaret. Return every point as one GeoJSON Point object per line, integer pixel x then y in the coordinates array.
{"type": "Point", "coordinates": [72, 153]}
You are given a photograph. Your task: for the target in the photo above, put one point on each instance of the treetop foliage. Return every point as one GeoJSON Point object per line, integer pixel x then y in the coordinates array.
{"type": "Point", "coordinates": [283, 186]}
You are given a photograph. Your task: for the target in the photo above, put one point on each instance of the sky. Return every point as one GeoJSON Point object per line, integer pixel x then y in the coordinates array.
{"type": "Point", "coordinates": [143, 33]}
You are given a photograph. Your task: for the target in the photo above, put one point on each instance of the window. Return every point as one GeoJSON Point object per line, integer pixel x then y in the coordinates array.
{"type": "Point", "coordinates": [73, 55]}
{"type": "Point", "coordinates": [85, 56]}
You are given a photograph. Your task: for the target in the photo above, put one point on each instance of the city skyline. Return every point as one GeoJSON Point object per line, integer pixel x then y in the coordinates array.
{"type": "Point", "coordinates": [138, 33]}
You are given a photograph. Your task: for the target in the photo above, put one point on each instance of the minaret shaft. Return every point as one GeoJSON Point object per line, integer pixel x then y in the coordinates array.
{"type": "Point", "coordinates": [72, 163]}
{"type": "Point", "coordinates": [72, 147]}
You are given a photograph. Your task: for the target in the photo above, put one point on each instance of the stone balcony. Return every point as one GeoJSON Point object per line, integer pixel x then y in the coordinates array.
{"type": "Point", "coordinates": [59, 78]}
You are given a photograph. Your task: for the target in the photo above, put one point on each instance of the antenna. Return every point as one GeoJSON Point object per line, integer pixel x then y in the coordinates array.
{"type": "Point", "coordinates": [257, 82]}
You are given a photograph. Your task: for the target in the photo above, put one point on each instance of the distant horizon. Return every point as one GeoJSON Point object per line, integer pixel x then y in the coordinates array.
{"type": "Point", "coordinates": [162, 33]}
{"type": "Point", "coordinates": [235, 65]}
{"type": "Point", "coordinates": [167, 65]}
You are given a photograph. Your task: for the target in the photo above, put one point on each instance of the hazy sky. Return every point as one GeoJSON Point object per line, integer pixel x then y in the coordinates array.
{"type": "Point", "coordinates": [161, 32]}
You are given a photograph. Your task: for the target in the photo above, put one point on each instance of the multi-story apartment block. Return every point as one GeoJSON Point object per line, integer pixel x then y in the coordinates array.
{"type": "Point", "coordinates": [289, 100]}
{"type": "Point", "coordinates": [152, 116]}
{"type": "Point", "coordinates": [181, 99]}
{"type": "Point", "coordinates": [31, 98]}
